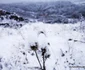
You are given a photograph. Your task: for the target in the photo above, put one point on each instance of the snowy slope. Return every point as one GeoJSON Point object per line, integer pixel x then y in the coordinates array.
{"type": "Point", "coordinates": [67, 46]}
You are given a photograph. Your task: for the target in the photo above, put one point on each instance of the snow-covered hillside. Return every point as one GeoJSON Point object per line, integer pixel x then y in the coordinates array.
{"type": "Point", "coordinates": [65, 43]}
{"type": "Point", "coordinates": [49, 12]}
{"type": "Point", "coordinates": [11, 20]}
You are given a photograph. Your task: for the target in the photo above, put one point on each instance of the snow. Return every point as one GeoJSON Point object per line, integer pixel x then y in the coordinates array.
{"type": "Point", "coordinates": [63, 52]}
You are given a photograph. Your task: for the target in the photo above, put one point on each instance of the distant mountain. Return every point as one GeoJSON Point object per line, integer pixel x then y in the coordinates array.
{"type": "Point", "coordinates": [49, 12]}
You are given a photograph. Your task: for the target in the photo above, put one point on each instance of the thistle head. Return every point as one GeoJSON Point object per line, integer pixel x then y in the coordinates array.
{"type": "Point", "coordinates": [34, 47]}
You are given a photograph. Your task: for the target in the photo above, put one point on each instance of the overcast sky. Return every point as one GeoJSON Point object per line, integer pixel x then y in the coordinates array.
{"type": "Point", "coordinates": [15, 1]}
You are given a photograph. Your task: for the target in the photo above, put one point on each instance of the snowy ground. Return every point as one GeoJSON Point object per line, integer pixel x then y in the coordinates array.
{"type": "Point", "coordinates": [67, 47]}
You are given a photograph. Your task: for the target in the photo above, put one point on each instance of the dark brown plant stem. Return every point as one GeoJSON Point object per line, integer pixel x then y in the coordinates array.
{"type": "Point", "coordinates": [38, 59]}
{"type": "Point", "coordinates": [44, 62]}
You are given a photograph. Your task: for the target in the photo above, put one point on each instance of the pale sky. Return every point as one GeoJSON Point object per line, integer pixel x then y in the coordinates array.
{"type": "Point", "coordinates": [15, 1]}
